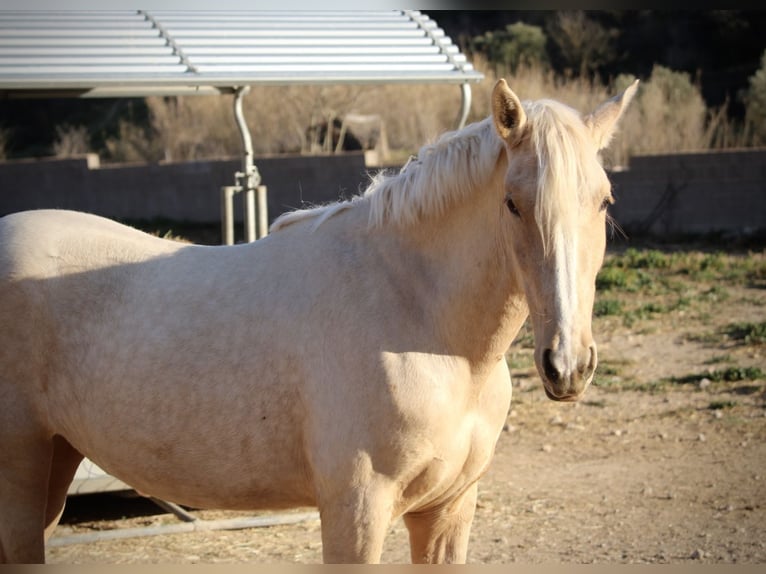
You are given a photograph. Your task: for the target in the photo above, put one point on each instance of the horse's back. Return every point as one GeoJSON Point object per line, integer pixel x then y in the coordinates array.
{"type": "Point", "coordinates": [56, 268]}
{"type": "Point", "coordinates": [43, 239]}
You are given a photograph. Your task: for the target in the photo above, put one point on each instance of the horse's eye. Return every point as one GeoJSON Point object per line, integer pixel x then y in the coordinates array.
{"type": "Point", "coordinates": [606, 203]}
{"type": "Point", "coordinates": [512, 207]}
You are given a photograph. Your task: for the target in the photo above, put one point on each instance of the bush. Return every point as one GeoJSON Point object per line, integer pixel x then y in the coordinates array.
{"type": "Point", "coordinates": [668, 114]}
{"type": "Point", "coordinates": [611, 278]}
{"type": "Point", "coordinates": [605, 307]}
{"type": "Point", "coordinates": [71, 141]}
{"type": "Point", "coordinates": [519, 44]}
{"type": "Point", "coordinates": [582, 44]}
{"type": "Point", "coordinates": [755, 104]}
{"type": "Point", "coordinates": [748, 333]}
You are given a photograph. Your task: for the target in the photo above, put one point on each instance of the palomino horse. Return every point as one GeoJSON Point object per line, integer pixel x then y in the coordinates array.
{"type": "Point", "coordinates": [352, 360]}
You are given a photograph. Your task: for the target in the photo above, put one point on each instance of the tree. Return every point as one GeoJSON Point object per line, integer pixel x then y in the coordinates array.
{"type": "Point", "coordinates": [519, 44]}
{"type": "Point", "coordinates": [583, 45]}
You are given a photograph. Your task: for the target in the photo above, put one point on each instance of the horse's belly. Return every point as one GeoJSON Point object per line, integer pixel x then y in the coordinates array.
{"type": "Point", "coordinates": [206, 443]}
{"type": "Point", "coordinates": [205, 477]}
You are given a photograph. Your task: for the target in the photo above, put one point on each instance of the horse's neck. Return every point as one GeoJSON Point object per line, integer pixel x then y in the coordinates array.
{"type": "Point", "coordinates": [477, 297]}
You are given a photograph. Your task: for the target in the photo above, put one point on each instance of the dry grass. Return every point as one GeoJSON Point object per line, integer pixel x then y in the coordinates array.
{"type": "Point", "coordinates": [668, 115]}
{"type": "Point", "coordinates": [71, 141]}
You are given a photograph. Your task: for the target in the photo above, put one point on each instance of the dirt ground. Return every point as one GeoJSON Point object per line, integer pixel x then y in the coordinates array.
{"type": "Point", "coordinates": [640, 471]}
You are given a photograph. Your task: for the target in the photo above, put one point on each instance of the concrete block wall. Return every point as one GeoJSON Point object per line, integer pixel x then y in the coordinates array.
{"type": "Point", "coordinates": [692, 193]}
{"type": "Point", "coordinates": [686, 193]}
{"type": "Point", "coordinates": [188, 191]}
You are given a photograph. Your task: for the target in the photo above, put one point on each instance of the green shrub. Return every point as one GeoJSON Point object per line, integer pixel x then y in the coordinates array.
{"type": "Point", "coordinates": [605, 307]}
{"type": "Point", "coordinates": [611, 278]}
{"type": "Point", "coordinates": [734, 374]}
{"type": "Point", "coordinates": [748, 333]}
{"type": "Point", "coordinates": [728, 375]}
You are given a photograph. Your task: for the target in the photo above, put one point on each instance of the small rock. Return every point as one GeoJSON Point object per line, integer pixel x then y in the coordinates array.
{"type": "Point", "coordinates": [718, 414]}
{"type": "Point", "coordinates": [556, 421]}
{"type": "Point", "coordinates": [701, 437]}
{"type": "Point", "coordinates": [547, 448]}
{"type": "Point", "coordinates": [617, 432]}
{"type": "Point", "coordinates": [697, 554]}
{"type": "Point", "coordinates": [704, 383]}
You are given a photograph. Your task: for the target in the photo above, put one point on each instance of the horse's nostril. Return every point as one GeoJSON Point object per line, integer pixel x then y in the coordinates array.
{"type": "Point", "coordinates": [551, 372]}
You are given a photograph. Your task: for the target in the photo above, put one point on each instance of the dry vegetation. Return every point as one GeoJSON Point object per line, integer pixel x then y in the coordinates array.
{"type": "Point", "coordinates": [669, 114]}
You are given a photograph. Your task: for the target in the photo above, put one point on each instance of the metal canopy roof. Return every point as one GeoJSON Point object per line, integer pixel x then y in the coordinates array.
{"type": "Point", "coordinates": [139, 53]}
{"type": "Point", "coordinates": [121, 53]}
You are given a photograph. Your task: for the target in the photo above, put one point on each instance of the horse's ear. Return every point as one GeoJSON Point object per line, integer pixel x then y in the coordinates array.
{"type": "Point", "coordinates": [602, 123]}
{"type": "Point", "coordinates": [507, 113]}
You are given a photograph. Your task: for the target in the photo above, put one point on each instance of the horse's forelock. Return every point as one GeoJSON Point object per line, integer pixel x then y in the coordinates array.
{"type": "Point", "coordinates": [564, 157]}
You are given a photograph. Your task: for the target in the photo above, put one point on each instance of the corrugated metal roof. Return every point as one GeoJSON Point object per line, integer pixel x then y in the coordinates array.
{"type": "Point", "coordinates": [104, 53]}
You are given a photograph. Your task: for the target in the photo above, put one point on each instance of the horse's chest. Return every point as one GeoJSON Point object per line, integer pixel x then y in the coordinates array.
{"type": "Point", "coordinates": [460, 452]}
{"type": "Point", "coordinates": [453, 466]}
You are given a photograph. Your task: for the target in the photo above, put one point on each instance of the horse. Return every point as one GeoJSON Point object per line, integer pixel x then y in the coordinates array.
{"type": "Point", "coordinates": [352, 360]}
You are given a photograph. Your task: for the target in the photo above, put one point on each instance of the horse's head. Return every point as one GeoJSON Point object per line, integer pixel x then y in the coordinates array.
{"type": "Point", "coordinates": [556, 195]}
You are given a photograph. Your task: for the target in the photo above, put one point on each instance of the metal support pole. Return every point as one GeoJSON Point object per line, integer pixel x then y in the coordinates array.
{"type": "Point", "coordinates": [248, 181]}
{"type": "Point", "coordinates": [249, 177]}
{"type": "Point", "coordinates": [465, 104]}
{"type": "Point", "coordinates": [248, 204]}
{"type": "Point", "coordinates": [263, 212]}
{"type": "Point", "coordinates": [227, 214]}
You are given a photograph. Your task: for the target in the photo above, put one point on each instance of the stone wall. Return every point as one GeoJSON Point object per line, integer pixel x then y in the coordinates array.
{"type": "Point", "coordinates": [663, 194]}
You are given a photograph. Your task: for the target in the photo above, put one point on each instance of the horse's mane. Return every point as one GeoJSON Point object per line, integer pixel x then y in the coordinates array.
{"type": "Point", "coordinates": [459, 162]}
{"type": "Point", "coordinates": [442, 172]}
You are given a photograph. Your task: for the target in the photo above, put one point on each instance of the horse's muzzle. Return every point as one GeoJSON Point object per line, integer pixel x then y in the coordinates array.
{"type": "Point", "coordinates": [562, 384]}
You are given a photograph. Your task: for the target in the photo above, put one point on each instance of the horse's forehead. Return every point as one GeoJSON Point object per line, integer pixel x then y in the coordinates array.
{"type": "Point", "coordinates": [523, 169]}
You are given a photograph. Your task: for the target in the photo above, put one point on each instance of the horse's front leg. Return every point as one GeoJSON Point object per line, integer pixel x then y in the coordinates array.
{"type": "Point", "coordinates": [354, 523]}
{"type": "Point", "coordinates": [440, 535]}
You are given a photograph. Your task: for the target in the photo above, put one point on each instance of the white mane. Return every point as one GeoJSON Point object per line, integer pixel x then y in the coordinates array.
{"type": "Point", "coordinates": [444, 171]}
{"type": "Point", "coordinates": [459, 162]}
